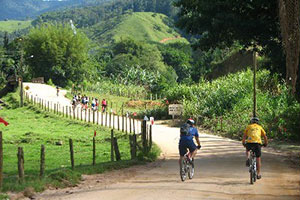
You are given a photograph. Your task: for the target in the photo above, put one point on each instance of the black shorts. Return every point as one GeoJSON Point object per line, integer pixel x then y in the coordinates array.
{"type": "Point", "coordinates": [256, 148]}
{"type": "Point", "coordinates": [185, 145]}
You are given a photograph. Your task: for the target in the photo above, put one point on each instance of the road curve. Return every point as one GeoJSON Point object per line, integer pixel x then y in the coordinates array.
{"type": "Point", "coordinates": [220, 174]}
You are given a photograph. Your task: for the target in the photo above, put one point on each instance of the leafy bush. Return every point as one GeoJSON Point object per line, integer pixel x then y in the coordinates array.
{"type": "Point", "coordinates": [231, 98]}
{"type": "Point", "coordinates": [160, 112]}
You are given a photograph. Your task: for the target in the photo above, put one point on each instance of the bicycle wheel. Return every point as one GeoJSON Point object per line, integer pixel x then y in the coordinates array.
{"type": "Point", "coordinates": [251, 176]}
{"type": "Point", "coordinates": [254, 172]}
{"type": "Point", "coordinates": [191, 170]}
{"type": "Point", "coordinates": [182, 170]}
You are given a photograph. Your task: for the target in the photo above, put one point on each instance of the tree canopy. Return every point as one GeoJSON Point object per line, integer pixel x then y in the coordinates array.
{"type": "Point", "coordinates": [58, 53]}
{"type": "Point", "coordinates": [221, 23]}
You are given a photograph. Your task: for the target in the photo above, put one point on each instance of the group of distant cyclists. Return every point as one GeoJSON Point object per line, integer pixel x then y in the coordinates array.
{"type": "Point", "coordinates": [252, 140]}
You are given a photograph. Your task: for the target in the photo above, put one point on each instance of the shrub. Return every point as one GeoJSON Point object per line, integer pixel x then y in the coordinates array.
{"type": "Point", "coordinates": [232, 98]}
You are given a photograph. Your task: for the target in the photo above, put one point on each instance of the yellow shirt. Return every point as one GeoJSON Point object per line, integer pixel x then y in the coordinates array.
{"type": "Point", "coordinates": [254, 133]}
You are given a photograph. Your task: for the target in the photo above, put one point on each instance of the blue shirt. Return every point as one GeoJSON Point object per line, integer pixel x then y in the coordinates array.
{"type": "Point", "coordinates": [193, 133]}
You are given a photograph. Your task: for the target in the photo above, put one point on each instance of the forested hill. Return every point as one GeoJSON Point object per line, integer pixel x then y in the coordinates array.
{"type": "Point", "coordinates": [141, 26]}
{"type": "Point", "coordinates": [21, 9]}
{"type": "Point", "coordinates": [90, 15]}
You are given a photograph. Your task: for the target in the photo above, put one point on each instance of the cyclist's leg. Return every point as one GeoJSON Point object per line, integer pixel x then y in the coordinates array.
{"type": "Point", "coordinates": [192, 148]}
{"type": "Point", "coordinates": [258, 165]}
{"type": "Point", "coordinates": [182, 150]}
{"type": "Point", "coordinates": [248, 147]}
{"type": "Point", "coordinates": [257, 151]}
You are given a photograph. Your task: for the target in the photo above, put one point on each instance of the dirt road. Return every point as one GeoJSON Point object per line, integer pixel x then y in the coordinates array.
{"type": "Point", "coordinates": [220, 174]}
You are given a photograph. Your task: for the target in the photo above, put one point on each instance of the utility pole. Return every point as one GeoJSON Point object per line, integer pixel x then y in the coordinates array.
{"type": "Point", "coordinates": [21, 79]}
{"type": "Point", "coordinates": [254, 83]}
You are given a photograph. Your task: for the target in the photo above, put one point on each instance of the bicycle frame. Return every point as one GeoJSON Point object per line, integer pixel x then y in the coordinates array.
{"type": "Point", "coordinates": [186, 167]}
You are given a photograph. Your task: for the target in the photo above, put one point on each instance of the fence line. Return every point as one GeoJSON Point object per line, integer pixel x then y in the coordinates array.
{"type": "Point", "coordinates": [132, 126]}
{"type": "Point", "coordinates": [115, 153]}
{"type": "Point", "coordinates": [121, 122]}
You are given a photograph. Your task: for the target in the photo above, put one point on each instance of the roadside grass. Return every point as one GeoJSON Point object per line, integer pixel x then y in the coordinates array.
{"type": "Point", "coordinates": [30, 128]}
{"type": "Point", "coordinates": [14, 25]}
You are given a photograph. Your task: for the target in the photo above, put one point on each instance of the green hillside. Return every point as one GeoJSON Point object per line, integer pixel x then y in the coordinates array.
{"type": "Point", "coordinates": [141, 26]}
{"type": "Point", "coordinates": [14, 25]}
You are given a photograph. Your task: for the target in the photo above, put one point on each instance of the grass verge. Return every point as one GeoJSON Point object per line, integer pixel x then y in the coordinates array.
{"type": "Point", "coordinates": [31, 127]}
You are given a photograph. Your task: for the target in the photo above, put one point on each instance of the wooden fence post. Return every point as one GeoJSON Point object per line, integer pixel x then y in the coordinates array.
{"type": "Point", "coordinates": [42, 166]}
{"type": "Point", "coordinates": [102, 118]}
{"type": "Point", "coordinates": [150, 137]}
{"type": "Point", "coordinates": [122, 117]}
{"type": "Point", "coordinates": [93, 116]}
{"type": "Point", "coordinates": [106, 119]}
{"type": "Point", "coordinates": [73, 109]}
{"type": "Point", "coordinates": [77, 110]}
{"type": "Point", "coordinates": [81, 113]}
{"type": "Point", "coordinates": [113, 120]}
{"type": "Point", "coordinates": [221, 123]}
{"type": "Point", "coordinates": [85, 112]}
{"type": "Point", "coordinates": [1, 160]}
{"type": "Point", "coordinates": [71, 153]}
{"type": "Point", "coordinates": [132, 140]}
{"type": "Point", "coordinates": [98, 117]}
{"type": "Point", "coordinates": [118, 122]}
{"type": "Point", "coordinates": [110, 120]}
{"type": "Point", "coordinates": [116, 147]}
{"type": "Point", "coordinates": [112, 145]}
{"type": "Point", "coordinates": [144, 135]}
{"type": "Point", "coordinates": [133, 124]}
{"type": "Point", "coordinates": [130, 128]}
{"type": "Point", "coordinates": [94, 150]}
{"type": "Point", "coordinates": [89, 117]}
{"type": "Point", "coordinates": [21, 164]}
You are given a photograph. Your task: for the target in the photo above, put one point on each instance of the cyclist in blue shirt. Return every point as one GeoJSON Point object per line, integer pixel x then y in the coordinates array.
{"type": "Point", "coordinates": [186, 141]}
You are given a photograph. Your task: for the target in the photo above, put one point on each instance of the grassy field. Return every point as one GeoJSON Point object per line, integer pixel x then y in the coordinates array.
{"type": "Point", "coordinates": [13, 25]}
{"type": "Point", "coordinates": [30, 128]}
{"type": "Point", "coordinates": [141, 26]}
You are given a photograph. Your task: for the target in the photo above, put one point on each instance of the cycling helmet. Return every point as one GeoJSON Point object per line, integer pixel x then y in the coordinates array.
{"type": "Point", "coordinates": [254, 120]}
{"type": "Point", "coordinates": [190, 121]}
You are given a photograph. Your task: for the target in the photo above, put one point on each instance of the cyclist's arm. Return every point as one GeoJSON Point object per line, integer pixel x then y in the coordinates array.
{"type": "Point", "coordinates": [265, 140]}
{"type": "Point", "coordinates": [244, 138]}
{"type": "Point", "coordinates": [197, 140]}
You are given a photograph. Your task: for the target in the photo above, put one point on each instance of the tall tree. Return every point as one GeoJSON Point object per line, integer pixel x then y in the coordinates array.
{"type": "Point", "coordinates": [252, 23]}
{"type": "Point", "coordinates": [5, 40]}
{"type": "Point", "coordinates": [58, 53]}
{"type": "Point", "coordinates": [290, 30]}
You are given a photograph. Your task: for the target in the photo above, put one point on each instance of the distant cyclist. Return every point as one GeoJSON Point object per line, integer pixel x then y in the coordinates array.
{"type": "Point", "coordinates": [252, 140]}
{"type": "Point", "coordinates": [187, 134]}
{"type": "Point", "coordinates": [57, 91]}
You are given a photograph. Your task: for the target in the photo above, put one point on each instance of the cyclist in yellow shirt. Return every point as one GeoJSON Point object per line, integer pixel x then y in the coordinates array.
{"type": "Point", "coordinates": [252, 140]}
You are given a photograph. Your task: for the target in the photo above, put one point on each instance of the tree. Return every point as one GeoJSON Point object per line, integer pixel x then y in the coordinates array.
{"type": "Point", "coordinates": [178, 56]}
{"type": "Point", "coordinates": [290, 30]}
{"type": "Point", "coordinates": [220, 23]}
{"type": "Point", "coordinates": [132, 58]}
{"type": "Point", "coordinates": [5, 40]}
{"type": "Point", "coordinates": [58, 53]}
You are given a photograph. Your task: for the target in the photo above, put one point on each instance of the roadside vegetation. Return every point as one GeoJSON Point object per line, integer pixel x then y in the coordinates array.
{"type": "Point", "coordinates": [231, 98]}
{"type": "Point", "coordinates": [30, 128]}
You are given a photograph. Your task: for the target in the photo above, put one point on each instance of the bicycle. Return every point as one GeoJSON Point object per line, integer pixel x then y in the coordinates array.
{"type": "Point", "coordinates": [252, 167]}
{"type": "Point", "coordinates": [186, 167]}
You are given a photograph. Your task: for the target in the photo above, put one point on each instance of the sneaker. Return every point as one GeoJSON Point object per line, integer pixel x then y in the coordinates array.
{"type": "Point", "coordinates": [258, 177]}
{"type": "Point", "coordinates": [247, 163]}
